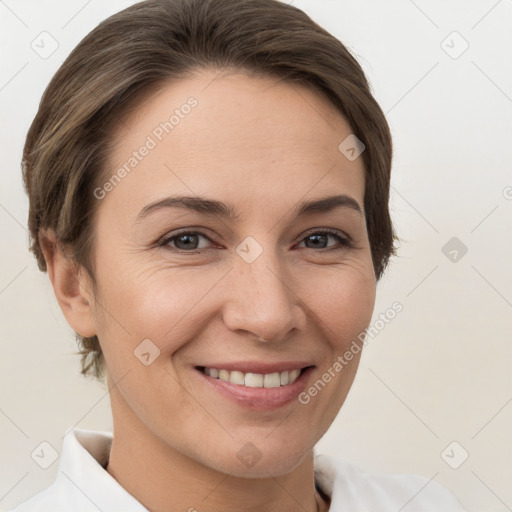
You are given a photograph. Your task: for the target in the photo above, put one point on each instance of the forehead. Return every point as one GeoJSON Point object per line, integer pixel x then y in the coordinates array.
{"type": "Point", "coordinates": [230, 133]}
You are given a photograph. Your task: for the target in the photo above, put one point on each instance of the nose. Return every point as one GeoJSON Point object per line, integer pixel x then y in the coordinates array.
{"type": "Point", "coordinates": [262, 300]}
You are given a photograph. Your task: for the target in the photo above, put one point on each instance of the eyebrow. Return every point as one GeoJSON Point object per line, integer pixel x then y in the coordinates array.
{"type": "Point", "coordinates": [218, 208]}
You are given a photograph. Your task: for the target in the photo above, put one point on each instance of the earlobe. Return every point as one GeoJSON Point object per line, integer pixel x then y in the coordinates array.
{"type": "Point", "coordinates": [70, 285]}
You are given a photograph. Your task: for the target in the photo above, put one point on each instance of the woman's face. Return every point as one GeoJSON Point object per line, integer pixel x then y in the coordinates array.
{"type": "Point", "coordinates": [241, 276]}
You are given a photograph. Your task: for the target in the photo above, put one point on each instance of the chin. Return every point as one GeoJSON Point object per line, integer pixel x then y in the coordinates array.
{"type": "Point", "coordinates": [259, 460]}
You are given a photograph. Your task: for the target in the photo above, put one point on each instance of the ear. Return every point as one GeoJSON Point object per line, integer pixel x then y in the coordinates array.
{"type": "Point", "coordinates": [71, 285]}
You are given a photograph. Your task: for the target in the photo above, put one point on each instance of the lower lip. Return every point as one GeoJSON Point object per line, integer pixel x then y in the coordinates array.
{"type": "Point", "coordinates": [259, 398]}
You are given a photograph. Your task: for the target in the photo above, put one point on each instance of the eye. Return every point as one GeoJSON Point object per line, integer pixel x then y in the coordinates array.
{"type": "Point", "coordinates": [190, 241]}
{"type": "Point", "coordinates": [319, 239]}
{"type": "Point", "coordinates": [185, 241]}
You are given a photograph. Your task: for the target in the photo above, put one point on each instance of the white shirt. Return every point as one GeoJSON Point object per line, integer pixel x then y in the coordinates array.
{"type": "Point", "coordinates": [83, 485]}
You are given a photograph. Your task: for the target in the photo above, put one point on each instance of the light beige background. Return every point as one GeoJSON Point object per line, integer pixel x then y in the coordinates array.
{"type": "Point", "coordinates": [440, 371]}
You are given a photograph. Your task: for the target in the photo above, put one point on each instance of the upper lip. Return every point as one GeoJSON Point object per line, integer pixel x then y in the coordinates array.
{"type": "Point", "coordinates": [258, 366]}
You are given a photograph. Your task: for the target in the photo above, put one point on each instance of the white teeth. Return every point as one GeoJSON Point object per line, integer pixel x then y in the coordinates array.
{"type": "Point", "coordinates": [272, 380]}
{"type": "Point", "coordinates": [292, 376]}
{"type": "Point", "coordinates": [237, 378]}
{"type": "Point", "coordinates": [254, 380]}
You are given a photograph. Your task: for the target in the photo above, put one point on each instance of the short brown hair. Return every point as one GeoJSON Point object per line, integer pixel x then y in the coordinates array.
{"type": "Point", "coordinates": [138, 49]}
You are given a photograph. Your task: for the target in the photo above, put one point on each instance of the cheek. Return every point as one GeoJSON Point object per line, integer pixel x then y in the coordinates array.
{"type": "Point", "coordinates": [163, 304]}
{"type": "Point", "coordinates": [343, 300]}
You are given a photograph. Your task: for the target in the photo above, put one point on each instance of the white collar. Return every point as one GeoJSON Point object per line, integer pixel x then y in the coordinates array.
{"type": "Point", "coordinates": [84, 453]}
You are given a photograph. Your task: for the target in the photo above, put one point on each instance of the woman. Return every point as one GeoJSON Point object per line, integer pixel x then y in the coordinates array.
{"type": "Point", "coordinates": [208, 186]}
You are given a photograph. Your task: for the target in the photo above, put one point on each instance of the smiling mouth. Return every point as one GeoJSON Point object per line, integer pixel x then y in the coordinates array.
{"type": "Point", "coordinates": [254, 380]}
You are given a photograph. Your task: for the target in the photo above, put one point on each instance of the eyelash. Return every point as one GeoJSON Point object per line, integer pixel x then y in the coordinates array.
{"type": "Point", "coordinates": [344, 241]}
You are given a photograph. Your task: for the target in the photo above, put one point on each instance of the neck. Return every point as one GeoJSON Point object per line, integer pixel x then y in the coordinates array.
{"type": "Point", "coordinates": [162, 478]}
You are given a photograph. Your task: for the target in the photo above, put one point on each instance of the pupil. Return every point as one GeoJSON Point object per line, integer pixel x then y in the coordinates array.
{"type": "Point", "coordinates": [316, 238]}
{"type": "Point", "coordinates": [189, 240]}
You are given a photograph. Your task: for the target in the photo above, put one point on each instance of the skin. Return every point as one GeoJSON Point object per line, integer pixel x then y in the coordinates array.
{"type": "Point", "coordinates": [262, 146]}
